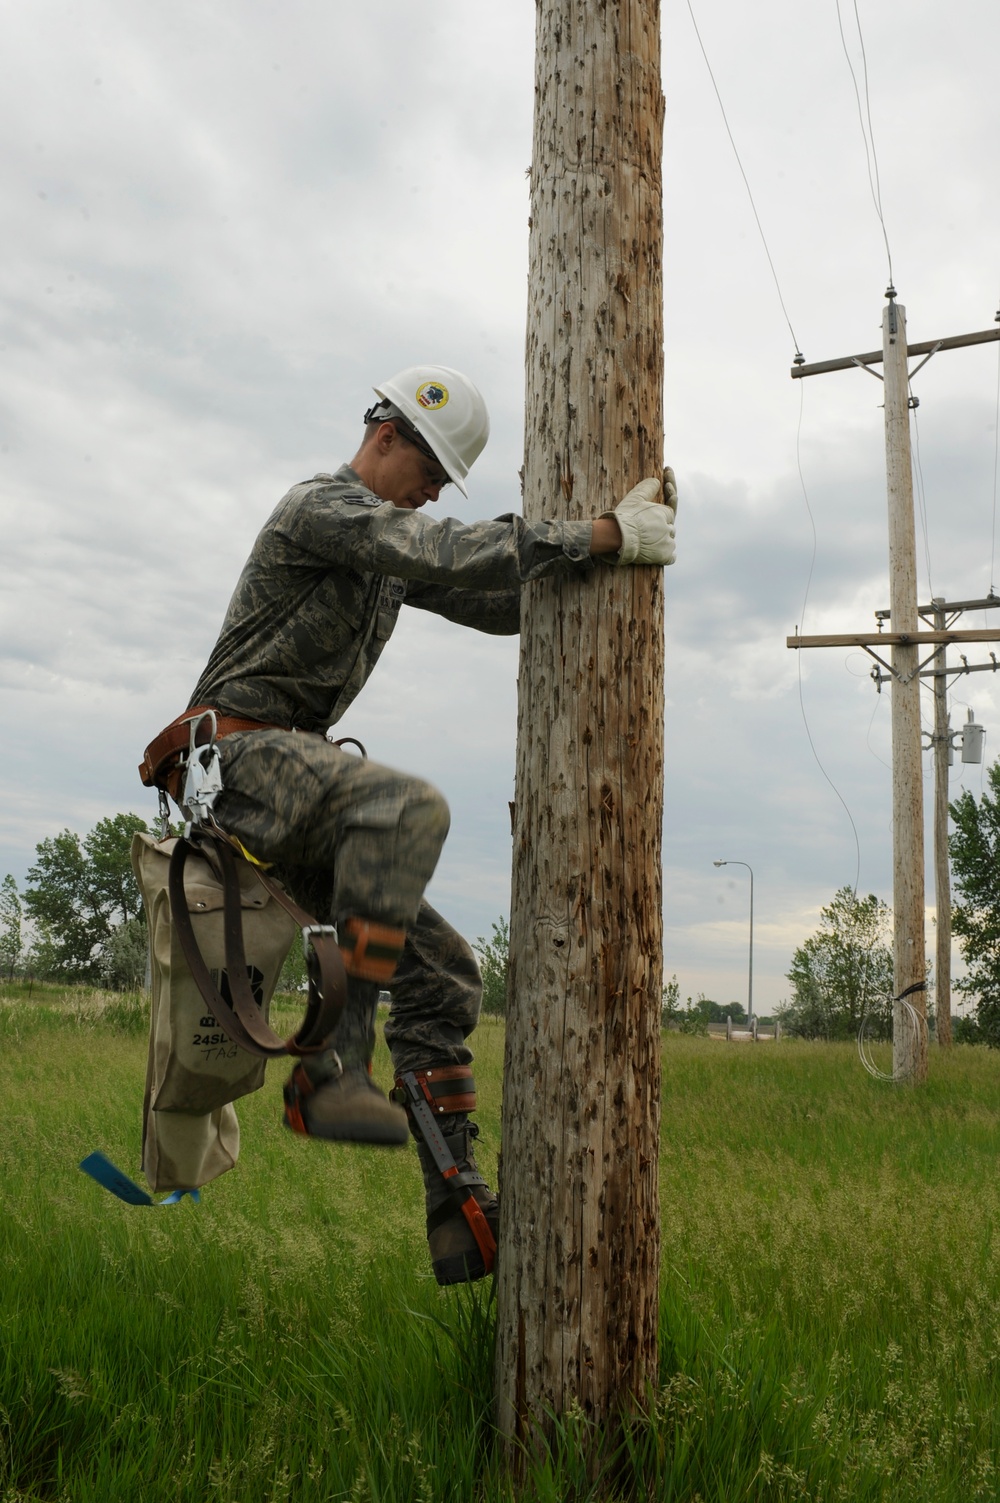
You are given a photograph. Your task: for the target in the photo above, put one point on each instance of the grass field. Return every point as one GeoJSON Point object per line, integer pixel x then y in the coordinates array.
{"type": "Point", "coordinates": [830, 1298]}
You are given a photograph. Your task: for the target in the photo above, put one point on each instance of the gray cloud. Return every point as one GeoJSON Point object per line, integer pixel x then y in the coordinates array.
{"type": "Point", "coordinates": [226, 224]}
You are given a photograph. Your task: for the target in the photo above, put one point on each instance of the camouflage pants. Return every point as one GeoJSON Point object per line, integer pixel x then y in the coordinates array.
{"type": "Point", "coordinates": [349, 837]}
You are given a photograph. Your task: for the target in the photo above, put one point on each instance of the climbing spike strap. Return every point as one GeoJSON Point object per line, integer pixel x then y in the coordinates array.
{"type": "Point", "coordinates": [371, 951]}
{"type": "Point", "coordinates": [295, 1090]}
{"type": "Point", "coordinates": [415, 1091]}
{"type": "Point", "coordinates": [446, 1089]}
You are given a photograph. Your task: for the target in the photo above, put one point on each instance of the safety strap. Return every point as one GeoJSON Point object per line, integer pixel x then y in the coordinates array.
{"type": "Point", "coordinates": [244, 1020]}
{"type": "Point", "coordinates": [415, 1093]}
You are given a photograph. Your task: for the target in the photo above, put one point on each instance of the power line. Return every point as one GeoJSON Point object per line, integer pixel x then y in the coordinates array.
{"type": "Point", "coordinates": [746, 183]}
{"type": "Point", "coordinates": [868, 136]}
{"type": "Point", "coordinates": [798, 438]}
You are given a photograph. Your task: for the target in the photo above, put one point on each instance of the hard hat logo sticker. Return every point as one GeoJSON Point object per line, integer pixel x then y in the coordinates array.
{"type": "Point", "coordinates": [432, 395]}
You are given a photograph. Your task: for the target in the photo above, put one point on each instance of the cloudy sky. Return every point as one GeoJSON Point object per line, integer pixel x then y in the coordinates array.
{"type": "Point", "coordinates": [225, 220]}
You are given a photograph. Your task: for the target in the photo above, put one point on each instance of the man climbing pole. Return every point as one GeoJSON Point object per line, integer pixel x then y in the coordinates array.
{"type": "Point", "coordinates": [357, 843]}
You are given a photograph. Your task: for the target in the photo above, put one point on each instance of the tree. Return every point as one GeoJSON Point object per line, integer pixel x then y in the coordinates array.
{"type": "Point", "coordinates": [670, 1002]}
{"type": "Point", "coordinates": [494, 956]}
{"type": "Point", "coordinates": [113, 888]}
{"type": "Point", "coordinates": [84, 890]}
{"type": "Point", "coordinates": [975, 920]}
{"type": "Point", "coordinates": [696, 1016]}
{"type": "Point", "coordinates": [11, 932]}
{"type": "Point", "coordinates": [60, 907]}
{"type": "Point", "coordinates": [843, 972]}
{"type": "Point", "coordinates": [124, 956]}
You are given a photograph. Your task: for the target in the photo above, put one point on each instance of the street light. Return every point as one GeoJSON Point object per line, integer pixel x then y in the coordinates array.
{"type": "Point", "coordinates": [750, 982]}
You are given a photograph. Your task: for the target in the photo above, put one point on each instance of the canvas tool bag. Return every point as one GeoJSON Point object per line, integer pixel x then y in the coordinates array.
{"type": "Point", "coordinates": [213, 973]}
{"type": "Point", "coordinates": [197, 1064]}
{"type": "Point", "coordinates": [219, 931]}
{"type": "Point", "coordinates": [195, 1069]}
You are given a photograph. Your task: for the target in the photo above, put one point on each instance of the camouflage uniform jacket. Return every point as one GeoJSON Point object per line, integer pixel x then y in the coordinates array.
{"type": "Point", "coordinates": [320, 594]}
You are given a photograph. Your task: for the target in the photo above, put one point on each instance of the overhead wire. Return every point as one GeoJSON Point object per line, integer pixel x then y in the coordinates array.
{"type": "Point", "coordinates": [875, 185]}
{"type": "Point", "coordinates": [868, 738]}
{"type": "Point", "coordinates": [913, 1019]}
{"type": "Point", "coordinates": [867, 134]}
{"type": "Point", "coordinates": [798, 438]}
{"type": "Point", "coordinates": [746, 181]}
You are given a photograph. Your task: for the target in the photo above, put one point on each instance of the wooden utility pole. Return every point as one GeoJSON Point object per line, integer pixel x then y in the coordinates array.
{"type": "Point", "coordinates": [909, 1053]}
{"type": "Point", "coordinates": [944, 614]}
{"type": "Point", "coordinates": [579, 1266]}
{"type": "Point", "coordinates": [942, 870]}
{"type": "Point", "coordinates": [909, 1040]}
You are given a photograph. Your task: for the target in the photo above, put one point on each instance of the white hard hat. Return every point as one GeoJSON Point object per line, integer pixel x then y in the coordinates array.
{"type": "Point", "coordinates": [446, 410]}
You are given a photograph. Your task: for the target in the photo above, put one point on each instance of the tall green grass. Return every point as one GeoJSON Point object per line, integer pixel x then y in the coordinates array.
{"type": "Point", "coordinates": [830, 1323]}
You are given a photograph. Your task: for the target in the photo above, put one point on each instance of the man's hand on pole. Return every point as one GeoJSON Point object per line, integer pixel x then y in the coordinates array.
{"type": "Point", "coordinates": [646, 524]}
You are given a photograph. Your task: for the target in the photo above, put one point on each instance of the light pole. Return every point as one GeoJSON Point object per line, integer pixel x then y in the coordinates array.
{"type": "Point", "coordinates": [750, 982]}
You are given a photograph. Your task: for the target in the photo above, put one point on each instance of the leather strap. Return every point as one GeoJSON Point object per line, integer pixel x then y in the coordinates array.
{"type": "Point", "coordinates": [159, 761]}
{"type": "Point", "coordinates": [371, 951]}
{"type": "Point", "coordinates": [445, 1088]}
{"type": "Point", "coordinates": [480, 1229]}
{"type": "Point", "coordinates": [419, 1112]}
{"type": "Point", "coordinates": [244, 1020]}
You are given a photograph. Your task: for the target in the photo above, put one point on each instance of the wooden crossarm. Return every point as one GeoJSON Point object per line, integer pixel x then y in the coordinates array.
{"type": "Point", "coordinates": [894, 638]}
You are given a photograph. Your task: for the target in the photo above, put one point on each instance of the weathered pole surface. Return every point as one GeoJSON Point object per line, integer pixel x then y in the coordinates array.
{"type": "Point", "coordinates": [909, 1040]}
{"type": "Point", "coordinates": [579, 1261]}
{"type": "Point", "coordinates": [942, 870]}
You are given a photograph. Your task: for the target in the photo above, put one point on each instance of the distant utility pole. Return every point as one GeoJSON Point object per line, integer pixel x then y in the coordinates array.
{"type": "Point", "coordinates": [941, 742]}
{"type": "Point", "coordinates": [943, 614]}
{"type": "Point", "coordinates": [909, 1049]}
{"type": "Point", "coordinates": [578, 1272]}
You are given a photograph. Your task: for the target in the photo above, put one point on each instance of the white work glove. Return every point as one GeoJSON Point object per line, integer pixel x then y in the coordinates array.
{"type": "Point", "coordinates": [646, 525]}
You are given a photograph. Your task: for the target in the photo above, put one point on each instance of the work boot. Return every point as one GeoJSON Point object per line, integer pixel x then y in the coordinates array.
{"type": "Point", "coordinates": [456, 1256]}
{"type": "Point", "coordinates": [332, 1095]}
{"type": "Point", "coordinates": [342, 1103]}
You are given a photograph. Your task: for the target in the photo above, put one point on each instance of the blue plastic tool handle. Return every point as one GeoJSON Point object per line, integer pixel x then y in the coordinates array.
{"type": "Point", "coordinates": [112, 1178]}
